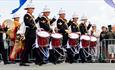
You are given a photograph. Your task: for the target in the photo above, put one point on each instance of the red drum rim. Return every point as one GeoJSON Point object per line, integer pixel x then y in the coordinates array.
{"type": "Point", "coordinates": [43, 34]}
{"type": "Point", "coordinates": [56, 35]}
{"type": "Point", "coordinates": [73, 36]}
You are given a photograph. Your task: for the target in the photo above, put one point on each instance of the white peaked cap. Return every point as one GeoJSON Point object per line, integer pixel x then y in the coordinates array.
{"type": "Point", "coordinates": [74, 15]}
{"type": "Point", "coordinates": [46, 9]}
{"type": "Point", "coordinates": [93, 24]}
{"type": "Point", "coordinates": [15, 16]}
{"type": "Point", "coordinates": [81, 21]}
{"type": "Point", "coordinates": [61, 11]}
{"type": "Point", "coordinates": [30, 5]}
{"type": "Point", "coordinates": [84, 17]}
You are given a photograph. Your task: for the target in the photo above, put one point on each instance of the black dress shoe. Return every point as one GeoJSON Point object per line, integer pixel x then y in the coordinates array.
{"type": "Point", "coordinates": [7, 63]}
{"type": "Point", "coordinates": [29, 62]}
{"type": "Point", "coordinates": [54, 63]}
{"type": "Point", "coordinates": [24, 64]}
{"type": "Point", "coordinates": [40, 63]}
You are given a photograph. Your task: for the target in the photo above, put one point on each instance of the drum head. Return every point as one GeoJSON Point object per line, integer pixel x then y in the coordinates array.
{"type": "Point", "coordinates": [93, 39]}
{"type": "Point", "coordinates": [56, 35]}
{"type": "Point", "coordinates": [43, 34]}
{"type": "Point", "coordinates": [73, 36]}
{"type": "Point", "coordinates": [84, 37]}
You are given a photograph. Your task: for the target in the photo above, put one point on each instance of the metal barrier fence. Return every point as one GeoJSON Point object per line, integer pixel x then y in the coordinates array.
{"type": "Point", "coordinates": [107, 50]}
{"type": "Point", "coordinates": [9, 49]}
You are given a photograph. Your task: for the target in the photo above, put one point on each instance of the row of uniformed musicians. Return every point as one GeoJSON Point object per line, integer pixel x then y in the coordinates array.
{"type": "Point", "coordinates": [44, 23]}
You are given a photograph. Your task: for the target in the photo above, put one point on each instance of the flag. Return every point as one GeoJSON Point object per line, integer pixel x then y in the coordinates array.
{"type": "Point", "coordinates": [21, 3]}
{"type": "Point", "coordinates": [110, 2]}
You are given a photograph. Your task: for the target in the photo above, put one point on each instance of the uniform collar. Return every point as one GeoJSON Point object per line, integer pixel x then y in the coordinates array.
{"type": "Point", "coordinates": [64, 20]}
{"type": "Point", "coordinates": [30, 15]}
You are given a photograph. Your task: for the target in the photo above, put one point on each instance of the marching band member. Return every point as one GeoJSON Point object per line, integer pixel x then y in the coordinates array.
{"type": "Point", "coordinates": [16, 27]}
{"type": "Point", "coordinates": [2, 50]}
{"type": "Point", "coordinates": [16, 23]}
{"type": "Point", "coordinates": [30, 33]}
{"type": "Point", "coordinates": [84, 26]}
{"type": "Point", "coordinates": [44, 23]}
{"type": "Point", "coordinates": [74, 28]}
{"type": "Point", "coordinates": [84, 51]}
{"type": "Point", "coordinates": [12, 29]}
{"type": "Point", "coordinates": [62, 28]}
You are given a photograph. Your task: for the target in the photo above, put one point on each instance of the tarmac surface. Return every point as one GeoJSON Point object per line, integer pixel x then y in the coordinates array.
{"type": "Point", "coordinates": [62, 66]}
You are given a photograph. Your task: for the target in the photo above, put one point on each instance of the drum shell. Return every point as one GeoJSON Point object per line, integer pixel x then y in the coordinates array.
{"type": "Point", "coordinates": [43, 38]}
{"type": "Point", "coordinates": [73, 42]}
{"type": "Point", "coordinates": [42, 41]}
{"type": "Point", "coordinates": [93, 43]}
{"type": "Point", "coordinates": [56, 40]}
{"type": "Point", "coordinates": [73, 39]}
{"type": "Point", "coordinates": [85, 43]}
{"type": "Point", "coordinates": [56, 43]}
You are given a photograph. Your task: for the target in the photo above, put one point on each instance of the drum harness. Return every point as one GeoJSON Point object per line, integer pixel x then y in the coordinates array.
{"type": "Point", "coordinates": [90, 51]}
{"type": "Point", "coordinates": [76, 51]}
{"type": "Point", "coordinates": [45, 53]}
{"type": "Point", "coordinates": [63, 55]}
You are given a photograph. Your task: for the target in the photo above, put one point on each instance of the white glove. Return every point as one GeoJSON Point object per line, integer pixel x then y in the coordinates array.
{"type": "Point", "coordinates": [40, 15]}
{"type": "Point", "coordinates": [54, 17]}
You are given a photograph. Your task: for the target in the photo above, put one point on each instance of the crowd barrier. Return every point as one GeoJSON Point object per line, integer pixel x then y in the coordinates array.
{"type": "Point", "coordinates": [107, 50]}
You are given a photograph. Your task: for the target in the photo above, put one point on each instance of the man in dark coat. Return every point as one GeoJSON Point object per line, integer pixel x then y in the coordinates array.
{"type": "Point", "coordinates": [30, 34]}
{"type": "Point", "coordinates": [45, 24]}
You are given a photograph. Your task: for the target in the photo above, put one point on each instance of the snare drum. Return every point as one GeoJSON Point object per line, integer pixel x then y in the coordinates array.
{"type": "Point", "coordinates": [73, 39]}
{"type": "Point", "coordinates": [85, 41]}
{"type": "Point", "coordinates": [43, 38]}
{"type": "Point", "coordinates": [56, 40]}
{"type": "Point", "coordinates": [93, 41]}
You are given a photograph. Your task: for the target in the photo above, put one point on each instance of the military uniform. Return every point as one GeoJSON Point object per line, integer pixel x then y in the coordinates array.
{"type": "Point", "coordinates": [72, 57]}
{"type": "Point", "coordinates": [45, 23]}
{"type": "Point", "coordinates": [62, 27]}
{"type": "Point", "coordinates": [30, 36]}
{"type": "Point", "coordinates": [84, 29]}
{"type": "Point", "coordinates": [69, 23]}
{"type": "Point", "coordinates": [75, 27]}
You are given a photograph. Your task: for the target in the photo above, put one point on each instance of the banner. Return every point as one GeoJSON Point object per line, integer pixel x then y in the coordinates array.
{"type": "Point", "coordinates": [21, 3]}
{"type": "Point", "coordinates": [110, 2]}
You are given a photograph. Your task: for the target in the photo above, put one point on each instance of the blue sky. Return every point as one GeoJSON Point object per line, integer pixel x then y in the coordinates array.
{"type": "Point", "coordinates": [97, 11]}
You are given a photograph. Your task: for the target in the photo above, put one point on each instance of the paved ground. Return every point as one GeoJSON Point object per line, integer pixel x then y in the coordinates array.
{"type": "Point", "coordinates": [63, 66]}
